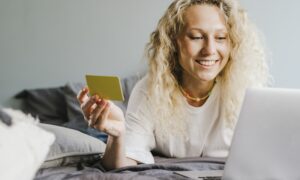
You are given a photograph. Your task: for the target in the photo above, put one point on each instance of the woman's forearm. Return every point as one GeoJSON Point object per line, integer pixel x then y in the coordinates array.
{"type": "Point", "coordinates": [114, 156]}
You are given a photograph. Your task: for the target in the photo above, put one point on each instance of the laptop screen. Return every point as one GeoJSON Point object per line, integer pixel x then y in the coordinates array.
{"type": "Point", "coordinates": [266, 140]}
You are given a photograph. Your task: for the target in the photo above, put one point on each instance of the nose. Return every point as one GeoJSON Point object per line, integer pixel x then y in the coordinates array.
{"type": "Point", "coordinates": [209, 47]}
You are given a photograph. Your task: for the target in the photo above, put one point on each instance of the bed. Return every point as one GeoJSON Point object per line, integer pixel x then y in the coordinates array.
{"type": "Point", "coordinates": [72, 150]}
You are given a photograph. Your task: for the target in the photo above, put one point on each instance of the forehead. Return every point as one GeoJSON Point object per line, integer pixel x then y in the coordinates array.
{"type": "Point", "coordinates": [205, 17]}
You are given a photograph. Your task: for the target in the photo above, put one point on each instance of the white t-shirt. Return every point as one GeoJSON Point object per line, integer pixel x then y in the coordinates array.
{"type": "Point", "coordinates": [207, 134]}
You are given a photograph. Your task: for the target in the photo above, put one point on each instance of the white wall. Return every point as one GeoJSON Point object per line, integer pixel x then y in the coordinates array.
{"type": "Point", "coordinates": [280, 22]}
{"type": "Point", "coordinates": [47, 43]}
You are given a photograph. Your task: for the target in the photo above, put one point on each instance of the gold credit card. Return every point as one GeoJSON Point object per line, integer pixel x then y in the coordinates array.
{"type": "Point", "coordinates": [107, 87]}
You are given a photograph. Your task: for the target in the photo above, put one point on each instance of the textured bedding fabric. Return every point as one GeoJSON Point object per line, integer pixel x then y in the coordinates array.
{"type": "Point", "coordinates": [163, 169]}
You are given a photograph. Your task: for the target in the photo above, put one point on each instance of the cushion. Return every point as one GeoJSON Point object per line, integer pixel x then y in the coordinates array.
{"type": "Point", "coordinates": [23, 145]}
{"type": "Point", "coordinates": [48, 104]}
{"type": "Point", "coordinates": [74, 114]}
{"type": "Point", "coordinates": [71, 147]}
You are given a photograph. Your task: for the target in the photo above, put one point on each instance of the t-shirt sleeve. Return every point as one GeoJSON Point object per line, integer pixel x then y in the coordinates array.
{"type": "Point", "coordinates": [139, 127]}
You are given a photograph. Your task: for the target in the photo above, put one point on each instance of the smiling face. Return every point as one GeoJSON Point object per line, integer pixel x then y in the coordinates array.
{"type": "Point", "coordinates": [204, 44]}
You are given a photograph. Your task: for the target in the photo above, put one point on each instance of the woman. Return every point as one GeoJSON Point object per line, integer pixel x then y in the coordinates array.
{"type": "Point", "coordinates": [202, 57]}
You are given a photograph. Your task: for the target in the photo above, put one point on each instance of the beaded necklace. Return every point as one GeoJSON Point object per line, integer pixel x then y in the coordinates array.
{"type": "Point", "coordinates": [197, 99]}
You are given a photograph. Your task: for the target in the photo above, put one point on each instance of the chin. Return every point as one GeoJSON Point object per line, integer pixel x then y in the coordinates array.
{"type": "Point", "coordinates": [207, 77]}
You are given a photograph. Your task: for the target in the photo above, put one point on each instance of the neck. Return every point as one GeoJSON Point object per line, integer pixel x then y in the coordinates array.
{"type": "Point", "coordinates": [196, 91]}
{"type": "Point", "coordinates": [197, 88]}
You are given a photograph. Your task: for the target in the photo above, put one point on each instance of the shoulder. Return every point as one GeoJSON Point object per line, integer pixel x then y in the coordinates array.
{"type": "Point", "coordinates": [141, 85]}
{"type": "Point", "coordinates": [139, 95]}
{"type": "Point", "coordinates": [139, 110]}
{"type": "Point", "coordinates": [140, 89]}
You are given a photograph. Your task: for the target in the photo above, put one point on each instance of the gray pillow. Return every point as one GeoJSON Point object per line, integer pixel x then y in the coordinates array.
{"type": "Point", "coordinates": [48, 104]}
{"type": "Point", "coordinates": [75, 116]}
{"type": "Point", "coordinates": [71, 147]}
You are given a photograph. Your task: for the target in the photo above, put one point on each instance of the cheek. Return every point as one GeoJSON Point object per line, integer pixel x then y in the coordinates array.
{"type": "Point", "coordinates": [225, 55]}
{"type": "Point", "coordinates": [225, 51]}
{"type": "Point", "coordinates": [188, 50]}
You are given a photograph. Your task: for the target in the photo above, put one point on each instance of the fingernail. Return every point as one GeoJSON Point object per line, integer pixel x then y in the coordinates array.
{"type": "Point", "coordinates": [98, 101]}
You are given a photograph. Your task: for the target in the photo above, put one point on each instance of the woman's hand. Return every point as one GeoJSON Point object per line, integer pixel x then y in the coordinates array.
{"type": "Point", "coordinates": [102, 114]}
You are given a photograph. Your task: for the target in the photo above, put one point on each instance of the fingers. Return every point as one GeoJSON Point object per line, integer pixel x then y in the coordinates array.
{"type": "Point", "coordinates": [103, 116]}
{"type": "Point", "coordinates": [103, 122]}
{"type": "Point", "coordinates": [95, 114]}
{"type": "Point", "coordinates": [95, 110]}
{"type": "Point", "coordinates": [112, 128]}
{"type": "Point", "coordinates": [82, 95]}
{"type": "Point", "coordinates": [89, 105]}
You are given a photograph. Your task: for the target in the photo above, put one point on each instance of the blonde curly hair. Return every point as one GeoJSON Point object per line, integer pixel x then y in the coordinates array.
{"type": "Point", "coordinates": [247, 65]}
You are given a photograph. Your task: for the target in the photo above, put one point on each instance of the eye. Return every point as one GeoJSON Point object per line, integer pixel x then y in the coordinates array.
{"type": "Point", "coordinates": [221, 38]}
{"type": "Point", "coordinates": [196, 37]}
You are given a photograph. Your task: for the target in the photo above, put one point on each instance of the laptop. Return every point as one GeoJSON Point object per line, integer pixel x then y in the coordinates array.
{"type": "Point", "coordinates": [266, 142]}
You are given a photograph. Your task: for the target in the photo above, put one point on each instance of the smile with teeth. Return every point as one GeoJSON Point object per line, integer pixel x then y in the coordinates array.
{"type": "Point", "coordinates": [207, 62]}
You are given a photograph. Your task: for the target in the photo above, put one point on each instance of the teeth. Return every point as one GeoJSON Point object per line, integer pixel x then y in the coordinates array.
{"type": "Point", "coordinates": [207, 62]}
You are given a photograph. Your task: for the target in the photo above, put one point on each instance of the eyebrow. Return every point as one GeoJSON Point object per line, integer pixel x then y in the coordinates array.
{"type": "Point", "coordinates": [223, 30]}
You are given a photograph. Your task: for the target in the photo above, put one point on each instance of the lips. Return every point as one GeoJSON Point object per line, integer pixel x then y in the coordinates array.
{"type": "Point", "coordinates": [207, 63]}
